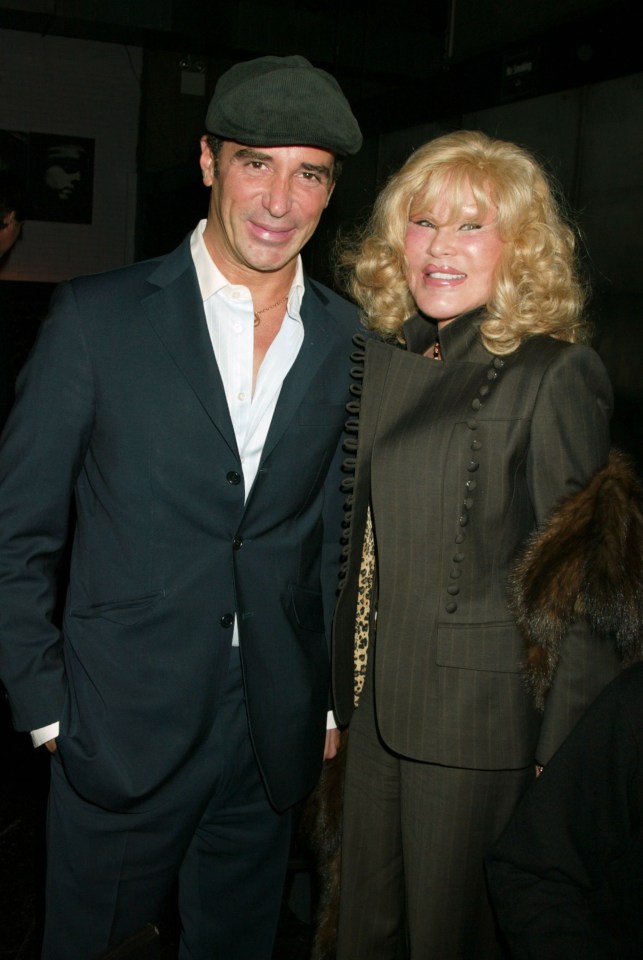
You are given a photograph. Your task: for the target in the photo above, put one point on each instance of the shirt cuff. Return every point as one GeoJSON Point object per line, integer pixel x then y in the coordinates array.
{"type": "Point", "coordinates": [43, 734]}
{"type": "Point", "coordinates": [330, 721]}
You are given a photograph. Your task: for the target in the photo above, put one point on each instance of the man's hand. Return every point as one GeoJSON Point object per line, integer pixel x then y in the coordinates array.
{"type": "Point", "coordinates": [51, 746]}
{"type": "Point", "coordinates": [332, 744]}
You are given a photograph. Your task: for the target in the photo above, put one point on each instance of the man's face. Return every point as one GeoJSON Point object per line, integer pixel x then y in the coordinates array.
{"type": "Point", "coordinates": [265, 204]}
{"type": "Point", "coordinates": [9, 231]}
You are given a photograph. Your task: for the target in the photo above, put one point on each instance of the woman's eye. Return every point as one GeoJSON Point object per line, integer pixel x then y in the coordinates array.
{"type": "Point", "coordinates": [470, 226]}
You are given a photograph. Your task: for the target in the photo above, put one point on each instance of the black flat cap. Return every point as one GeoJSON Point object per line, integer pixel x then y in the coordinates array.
{"type": "Point", "coordinates": [282, 101]}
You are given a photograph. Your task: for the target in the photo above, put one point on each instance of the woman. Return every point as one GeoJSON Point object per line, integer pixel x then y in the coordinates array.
{"type": "Point", "coordinates": [480, 411]}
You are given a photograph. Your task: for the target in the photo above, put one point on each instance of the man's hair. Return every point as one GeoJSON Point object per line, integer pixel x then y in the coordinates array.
{"type": "Point", "coordinates": [13, 196]}
{"type": "Point", "coordinates": [215, 144]}
{"type": "Point", "coordinates": [536, 288]}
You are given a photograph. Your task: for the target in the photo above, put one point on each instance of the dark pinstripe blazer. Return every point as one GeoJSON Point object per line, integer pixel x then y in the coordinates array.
{"type": "Point", "coordinates": [461, 461]}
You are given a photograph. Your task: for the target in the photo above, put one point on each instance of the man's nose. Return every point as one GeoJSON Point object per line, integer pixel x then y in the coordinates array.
{"type": "Point", "coordinates": [277, 197]}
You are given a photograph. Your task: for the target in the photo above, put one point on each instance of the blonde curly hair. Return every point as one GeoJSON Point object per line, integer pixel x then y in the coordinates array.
{"type": "Point", "coordinates": [536, 287]}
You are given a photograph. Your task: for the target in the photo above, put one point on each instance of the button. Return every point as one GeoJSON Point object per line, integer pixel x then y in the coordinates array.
{"type": "Point", "coordinates": [492, 374]}
{"type": "Point", "coordinates": [233, 477]}
{"type": "Point", "coordinates": [227, 620]}
{"type": "Point", "coordinates": [456, 573]}
{"type": "Point", "coordinates": [468, 503]}
{"type": "Point", "coordinates": [453, 589]}
{"type": "Point", "coordinates": [484, 390]}
{"type": "Point", "coordinates": [473, 465]}
{"type": "Point", "coordinates": [472, 423]}
{"type": "Point", "coordinates": [241, 396]}
{"type": "Point", "coordinates": [498, 363]}
{"type": "Point", "coordinates": [471, 484]}
{"type": "Point", "coordinates": [463, 520]}
{"type": "Point", "coordinates": [461, 537]}
{"type": "Point", "coordinates": [237, 543]}
{"type": "Point", "coordinates": [458, 557]}
{"type": "Point", "coordinates": [476, 444]}
{"type": "Point", "coordinates": [476, 404]}
{"type": "Point", "coordinates": [451, 606]}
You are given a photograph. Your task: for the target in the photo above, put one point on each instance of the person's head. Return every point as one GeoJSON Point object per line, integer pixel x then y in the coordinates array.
{"type": "Point", "coordinates": [63, 169]}
{"type": "Point", "coordinates": [12, 210]}
{"type": "Point", "coordinates": [277, 130]}
{"type": "Point", "coordinates": [469, 222]}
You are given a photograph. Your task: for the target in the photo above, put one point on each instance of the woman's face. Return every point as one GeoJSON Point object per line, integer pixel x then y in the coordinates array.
{"type": "Point", "coordinates": [452, 263]}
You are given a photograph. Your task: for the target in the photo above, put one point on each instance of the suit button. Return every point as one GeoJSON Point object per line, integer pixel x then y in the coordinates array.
{"type": "Point", "coordinates": [237, 543]}
{"type": "Point", "coordinates": [453, 589]}
{"type": "Point", "coordinates": [233, 477]}
{"type": "Point", "coordinates": [451, 606]}
{"type": "Point", "coordinates": [227, 620]}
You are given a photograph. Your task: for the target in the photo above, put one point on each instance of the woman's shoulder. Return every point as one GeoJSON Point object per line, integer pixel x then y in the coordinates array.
{"type": "Point", "coordinates": [547, 349]}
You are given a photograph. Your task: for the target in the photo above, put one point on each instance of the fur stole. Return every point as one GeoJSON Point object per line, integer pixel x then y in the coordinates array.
{"type": "Point", "coordinates": [586, 563]}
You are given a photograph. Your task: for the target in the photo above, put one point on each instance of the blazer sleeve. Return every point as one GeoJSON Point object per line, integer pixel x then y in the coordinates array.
{"type": "Point", "coordinates": [41, 454]}
{"type": "Point", "coordinates": [569, 442]}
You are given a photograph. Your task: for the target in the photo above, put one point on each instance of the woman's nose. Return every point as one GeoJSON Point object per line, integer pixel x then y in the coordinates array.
{"type": "Point", "coordinates": [441, 242]}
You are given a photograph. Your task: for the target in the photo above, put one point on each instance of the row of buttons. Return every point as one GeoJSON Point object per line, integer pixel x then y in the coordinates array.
{"type": "Point", "coordinates": [471, 483]}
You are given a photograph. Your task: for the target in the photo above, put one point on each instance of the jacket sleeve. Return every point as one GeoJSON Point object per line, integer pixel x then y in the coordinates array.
{"type": "Point", "coordinates": [569, 442]}
{"type": "Point", "coordinates": [41, 453]}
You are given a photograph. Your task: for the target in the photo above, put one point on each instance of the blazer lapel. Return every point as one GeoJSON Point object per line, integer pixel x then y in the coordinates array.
{"type": "Point", "coordinates": [175, 311]}
{"type": "Point", "coordinates": [317, 342]}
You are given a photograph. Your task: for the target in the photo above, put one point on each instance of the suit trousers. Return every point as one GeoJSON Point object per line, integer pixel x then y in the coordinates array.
{"type": "Point", "coordinates": [215, 835]}
{"type": "Point", "coordinates": [414, 838]}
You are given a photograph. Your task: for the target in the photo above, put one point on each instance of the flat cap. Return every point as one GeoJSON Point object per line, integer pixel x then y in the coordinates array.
{"type": "Point", "coordinates": [282, 101]}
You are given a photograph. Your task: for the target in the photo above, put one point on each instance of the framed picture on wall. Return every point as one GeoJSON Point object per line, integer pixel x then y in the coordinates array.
{"type": "Point", "coordinates": [57, 170]}
{"type": "Point", "coordinates": [61, 177]}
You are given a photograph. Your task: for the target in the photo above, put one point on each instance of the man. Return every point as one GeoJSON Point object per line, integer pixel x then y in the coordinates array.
{"type": "Point", "coordinates": [194, 407]}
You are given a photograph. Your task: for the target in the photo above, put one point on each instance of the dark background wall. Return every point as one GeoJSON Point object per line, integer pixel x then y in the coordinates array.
{"type": "Point", "coordinates": [562, 77]}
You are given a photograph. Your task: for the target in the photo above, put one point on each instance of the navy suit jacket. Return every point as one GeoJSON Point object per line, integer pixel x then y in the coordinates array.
{"type": "Point", "coordinates": [122, 406]}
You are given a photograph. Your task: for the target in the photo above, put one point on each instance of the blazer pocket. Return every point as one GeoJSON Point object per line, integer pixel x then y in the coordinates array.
{"type": "Point", "coordinates": [308, 608]}
{"type": "Point", "coordinates": [496, 647]}
{"type": "Point", "coordinates": [125, 612]}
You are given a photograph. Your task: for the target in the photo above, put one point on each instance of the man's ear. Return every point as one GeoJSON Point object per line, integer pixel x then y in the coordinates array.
{"type": "Point", "coordinates": [207, 162]}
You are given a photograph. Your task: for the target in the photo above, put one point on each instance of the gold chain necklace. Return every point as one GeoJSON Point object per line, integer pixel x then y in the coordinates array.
{"type": "Point", "coordinates": [266, 309]}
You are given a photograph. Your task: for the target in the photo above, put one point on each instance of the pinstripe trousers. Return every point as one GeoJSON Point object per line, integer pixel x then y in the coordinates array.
{"type": "Point", "coordinates": [414, 838]}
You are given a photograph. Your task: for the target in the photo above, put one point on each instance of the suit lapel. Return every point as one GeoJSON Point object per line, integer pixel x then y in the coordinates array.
{"type": "Point", "coordinates": [318, 341]}
{"type": "Point", "coordinates": [175, 311]}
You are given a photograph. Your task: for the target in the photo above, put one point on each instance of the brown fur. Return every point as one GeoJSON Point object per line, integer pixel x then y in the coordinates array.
{"type": "Point", "coordinates": [587, 562]}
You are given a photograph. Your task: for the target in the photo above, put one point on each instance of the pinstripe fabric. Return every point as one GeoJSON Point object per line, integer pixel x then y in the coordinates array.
{"type": "Point", "coordinates": [460, 461]}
